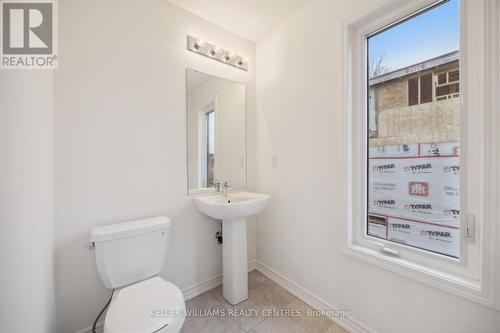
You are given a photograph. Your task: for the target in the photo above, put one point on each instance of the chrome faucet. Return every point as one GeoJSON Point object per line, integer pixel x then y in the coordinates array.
{"type": "Point", "coordinates": [224, 188]}
{"type": "Point", "coordinates": [221, 187]}
{"type": "Point", "coordinates": [217, 184]}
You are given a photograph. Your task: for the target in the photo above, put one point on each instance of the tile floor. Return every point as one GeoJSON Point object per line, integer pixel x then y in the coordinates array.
{"type": "Point", "coordinates": [263, 295]}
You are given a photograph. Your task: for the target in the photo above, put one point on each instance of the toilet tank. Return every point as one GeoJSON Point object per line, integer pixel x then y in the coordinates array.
{"type": "Point", "coordinates": [131, 251]}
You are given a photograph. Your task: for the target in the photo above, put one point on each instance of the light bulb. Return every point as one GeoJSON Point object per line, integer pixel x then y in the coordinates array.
{"type": "Point", "coordinates": [198, 44]}
{"type": "Point", "coordinates": [228, 57]}
{"type": "Point", "coordinates": [214, 51]}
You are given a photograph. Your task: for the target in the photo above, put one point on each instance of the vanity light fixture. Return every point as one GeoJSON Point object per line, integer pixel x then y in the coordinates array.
{"type": "Point", "coordinates": [212, 51]}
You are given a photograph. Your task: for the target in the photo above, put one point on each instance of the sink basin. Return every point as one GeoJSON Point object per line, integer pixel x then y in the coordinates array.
{"type": "Point", "coordinates": [235, 206]}
{"type": "Point", "coordinates": [233, 210]}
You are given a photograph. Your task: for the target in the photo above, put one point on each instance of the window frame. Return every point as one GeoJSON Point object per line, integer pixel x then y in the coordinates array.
{"type": "Point", "coordinates": [472, 276]}
{"type": "Point", "coordinates": [203, 143]}
{"type": "Point", "coordinates": [207, 141]}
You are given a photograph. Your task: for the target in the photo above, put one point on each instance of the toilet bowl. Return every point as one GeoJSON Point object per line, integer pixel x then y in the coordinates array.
{"type": "Point", "coordinates": [129, 257]}
{"type": "Point", "coordinates": [153, 305]}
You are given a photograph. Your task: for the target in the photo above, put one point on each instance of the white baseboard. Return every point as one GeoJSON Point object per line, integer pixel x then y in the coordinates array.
{"type": "Point", "coordinates": [203, 287]}
{"type": "Point", "coordinates": [189, 292]}
{"type": "Point", "coordinates": [252, 265]}
{"type": "Point", "coordinates": [349, 323]}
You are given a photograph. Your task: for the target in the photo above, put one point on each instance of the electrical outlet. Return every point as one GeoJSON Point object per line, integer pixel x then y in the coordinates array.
{"type": "Point", "coordinates": [275, 160]}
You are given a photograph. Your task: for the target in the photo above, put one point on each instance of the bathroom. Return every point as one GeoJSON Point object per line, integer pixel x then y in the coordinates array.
{"type": "Point", "coordinates": [103, 137]}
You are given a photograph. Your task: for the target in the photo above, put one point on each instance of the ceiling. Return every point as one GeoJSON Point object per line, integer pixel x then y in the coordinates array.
{"type": "Point", "coordinates": [250, 19]}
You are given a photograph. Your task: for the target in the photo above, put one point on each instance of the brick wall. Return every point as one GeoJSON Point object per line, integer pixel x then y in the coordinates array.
{"type": "Point", "coordinates": [423, 123]}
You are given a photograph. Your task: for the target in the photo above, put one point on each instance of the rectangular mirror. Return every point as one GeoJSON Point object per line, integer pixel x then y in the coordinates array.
{"type": "Point", "coordinates": [216, 141]}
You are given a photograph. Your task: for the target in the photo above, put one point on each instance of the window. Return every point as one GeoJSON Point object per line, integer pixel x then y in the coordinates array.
{"type": "Point", "coordinates": [442, 78]}
{"type": "Point", "coordinates": [414, 164]}
{"type": "Point", "coordinates": [466, 265]}
{"type": "Point", "coordinates": [420, 88]}
{"type": "Point", "coordinates": [413, 91]}
{"type": "Point", "coordinates": [210, 125]}
{"type": "Point", "coordinates": [426, 88]}
{"type": "Point", "coordinates": [453, 76]}
{"type": "Point", "coordinates": [448, 85]}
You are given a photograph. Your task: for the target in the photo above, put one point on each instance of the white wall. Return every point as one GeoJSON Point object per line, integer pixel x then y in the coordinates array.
{"type": "Point", "coordinates": [301, 234]}
{"type": "Point", "coordinates": [120, 139]}
{"type": "Point", "coordinates": [27, 300]}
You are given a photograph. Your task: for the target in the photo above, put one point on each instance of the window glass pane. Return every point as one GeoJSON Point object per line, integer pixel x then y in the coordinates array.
{"type": "Point", "coordinates": [413, 91]}
{"type": "Point", "coordinates": [210, 118]}
{"type": "Point", "coordinates": [426, 88]}
{"type": "Point", "coordinates": [414, 154]}
{"type": "Point", "coordinates": [443, 90]}
{"type": "Point", "coordinates": [442, 78]}
{"type": "Point", "coordinates": [211, 132]}
{"type": "Point", "coordinates": [454, 76]}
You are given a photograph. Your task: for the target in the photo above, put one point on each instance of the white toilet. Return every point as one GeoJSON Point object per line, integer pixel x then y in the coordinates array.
{"type": "Point", "coordinates": [129, 258]}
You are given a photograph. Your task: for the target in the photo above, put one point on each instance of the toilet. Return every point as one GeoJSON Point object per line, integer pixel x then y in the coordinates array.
{"type": "Point", "coordinates": [129, 257]}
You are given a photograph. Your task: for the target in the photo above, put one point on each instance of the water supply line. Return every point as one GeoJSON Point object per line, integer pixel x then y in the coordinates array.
{"type": "Point", "coordinates": [100, 313]}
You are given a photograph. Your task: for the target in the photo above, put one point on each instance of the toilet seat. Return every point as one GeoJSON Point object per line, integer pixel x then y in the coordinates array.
{"type": "Point", "coordinates": [150, 306]}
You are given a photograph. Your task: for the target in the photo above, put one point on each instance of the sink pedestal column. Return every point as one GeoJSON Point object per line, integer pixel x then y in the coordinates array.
{"type": "Point", "coordinates": [235, 261]}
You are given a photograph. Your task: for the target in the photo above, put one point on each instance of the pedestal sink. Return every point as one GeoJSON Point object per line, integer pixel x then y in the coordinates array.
{"type": "Point", "coordinates": [233, 210]}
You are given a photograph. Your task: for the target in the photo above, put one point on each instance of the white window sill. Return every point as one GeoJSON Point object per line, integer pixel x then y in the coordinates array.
{"type": "Point", "coordinates": [451, 283]}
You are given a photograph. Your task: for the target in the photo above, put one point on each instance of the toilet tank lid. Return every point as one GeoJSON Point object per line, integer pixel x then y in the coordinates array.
{"type": "Point", "coordinates": [129, 228]}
